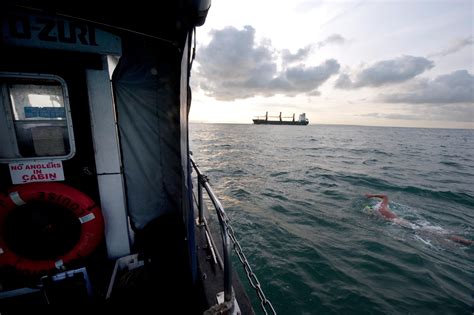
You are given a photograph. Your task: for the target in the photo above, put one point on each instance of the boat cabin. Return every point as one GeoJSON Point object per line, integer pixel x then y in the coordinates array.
{"type": "Point", "coordinates": [96, 183]}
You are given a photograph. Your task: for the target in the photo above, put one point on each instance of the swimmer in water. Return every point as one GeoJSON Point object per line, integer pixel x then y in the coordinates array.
{"type": "Point", "coordinates": [386, 213]}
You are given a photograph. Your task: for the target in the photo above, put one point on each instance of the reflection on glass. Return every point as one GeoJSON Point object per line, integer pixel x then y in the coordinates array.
{"type": "Point", "coordinates": [39, 117]}
{"type": "Point", "coordinates": [37, 102]}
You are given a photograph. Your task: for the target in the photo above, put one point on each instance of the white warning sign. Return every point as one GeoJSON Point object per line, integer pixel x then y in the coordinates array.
{"type": "Point", "coordinates": [37, 171]}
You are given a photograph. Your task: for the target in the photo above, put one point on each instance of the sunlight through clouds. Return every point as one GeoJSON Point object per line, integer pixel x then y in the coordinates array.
{"type": "Point", "coordinates": [355, 62]}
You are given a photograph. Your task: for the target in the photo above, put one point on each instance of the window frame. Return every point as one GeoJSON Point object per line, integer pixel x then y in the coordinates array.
{"type": "Point", "coordinates": [8, 112]}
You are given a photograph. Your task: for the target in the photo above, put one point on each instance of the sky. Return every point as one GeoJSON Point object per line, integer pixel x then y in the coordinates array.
{"type": "Point", "coordinates": [401, 63]}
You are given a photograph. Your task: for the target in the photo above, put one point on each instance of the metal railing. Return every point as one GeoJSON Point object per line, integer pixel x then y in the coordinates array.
{"type": "Point", "coordinates": [227, 233]}
{"type": "Point", "coordinates": [203, 182]}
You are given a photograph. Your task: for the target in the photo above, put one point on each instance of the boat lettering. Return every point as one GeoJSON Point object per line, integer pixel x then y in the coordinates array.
{"type": "Point", "coordinates": [36, 171]}
{"type": "Point", "coordinates": [35, 177]}
{"type": "Point", "coordinates": [60, 199]}
{"type": "Point", "coordinates": [42, 166]}
{"type": "Point", "coordinates": [50, 30]}
{"type": "Point", "coordinates": [16, 167]}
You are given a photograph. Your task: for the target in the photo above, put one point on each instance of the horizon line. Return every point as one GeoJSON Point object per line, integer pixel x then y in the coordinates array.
{"type": "Point", "coordinates": [334, 124]}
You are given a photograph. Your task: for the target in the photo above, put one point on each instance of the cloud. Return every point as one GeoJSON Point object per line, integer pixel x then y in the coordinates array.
{"type": "Point", "coordinates": [403, 116]}
{"type": "Point", "coordinates": [396, 116]}
{"type": "Point", "coordinates": [307, 79]}
{"type": "Point", "coordinates": [334, 39]}
{"type": "Point", "coordinates": [455, 47]}
{"type": "Point", "coordinates": [456, 87]}
{"type": "Point", "coordinates": [300, 55]}
{"type": "Point", "coordinates": [234, 66]}
{"type": "Point", "coordinates": [344, 82]}
{"type": "Point", "coordinates": [314, 93]}
{"type": "Point", "coordinates": [385, 72]}
{"type": "Point", "coordinates": [303, 53]}
{"type": "Point", "coordinates": [234, 53]}
{"type": "Point", "coordinates": [448, 97]}
{"type": "Point", "coordinates": [454, 112]}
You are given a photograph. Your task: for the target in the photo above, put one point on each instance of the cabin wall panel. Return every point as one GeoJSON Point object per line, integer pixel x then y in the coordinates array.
{"type": "Point", "coordinates": [107, 160]}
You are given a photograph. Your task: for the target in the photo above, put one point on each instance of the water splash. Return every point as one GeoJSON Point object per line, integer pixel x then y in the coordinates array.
{"type": "Point", "coordinates": [424, 231]}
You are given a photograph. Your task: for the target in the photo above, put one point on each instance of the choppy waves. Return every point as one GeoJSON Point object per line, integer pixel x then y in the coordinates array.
{"type": "Point", "coordinates": [295, 197]}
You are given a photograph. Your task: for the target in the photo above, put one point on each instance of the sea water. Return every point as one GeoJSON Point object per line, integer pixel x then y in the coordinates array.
{"type": "Point", "coordinates": [295, 196]}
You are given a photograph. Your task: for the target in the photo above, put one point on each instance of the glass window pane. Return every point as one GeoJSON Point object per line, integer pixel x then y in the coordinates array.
{"type": "Point", "coordinates": [37, 102]}
{"type": "Point", "coordinates": [38, 115]}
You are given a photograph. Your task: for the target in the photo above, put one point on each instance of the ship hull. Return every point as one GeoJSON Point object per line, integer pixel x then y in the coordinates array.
{"type": "Point", "coordinates": [277, 122]}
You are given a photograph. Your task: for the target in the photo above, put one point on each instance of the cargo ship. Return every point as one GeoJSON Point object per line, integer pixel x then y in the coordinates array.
{"type": "Point", "coordinates": [302, 120]}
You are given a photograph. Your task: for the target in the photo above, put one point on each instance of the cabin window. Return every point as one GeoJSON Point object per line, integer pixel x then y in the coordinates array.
{"type": "Point", "coordinates": [35, 121]}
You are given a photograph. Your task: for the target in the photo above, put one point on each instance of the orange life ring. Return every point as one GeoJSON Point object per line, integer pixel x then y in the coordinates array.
{"type": "Point", "coordinates": [83, 207]}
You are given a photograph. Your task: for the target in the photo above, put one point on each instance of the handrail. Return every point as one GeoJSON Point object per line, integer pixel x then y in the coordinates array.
{"type": "Point", "coordinates": [228, 233]}
{"type": "Point", "coordinates": [204, 182]}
